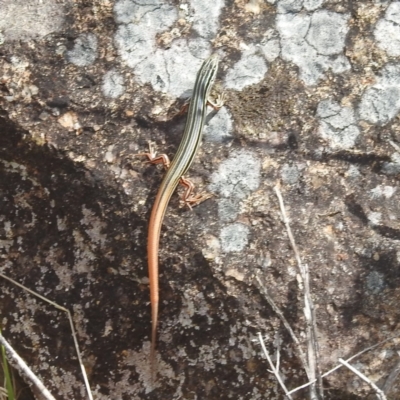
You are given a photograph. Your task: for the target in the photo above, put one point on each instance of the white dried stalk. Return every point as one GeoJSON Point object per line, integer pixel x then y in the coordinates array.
{"type": "Point", "coordinates": [311, 331]}
{"type": "Point", "coordinates": [89, 392]}
{"type": "Point", "coordinates": [396, 147]}
{"type": "Point", "coordinates": [24, 369]}
{"type": "Point", "coordinates": [285, 322]}
{"type": "Point", "coordinates": [274, 369]}
{"type": "Point", "coordinates": [391, 379]}
{"type": "Point", "coordinates": [379, 393]}
{"type": "Point", "coordinates": [340, 365]}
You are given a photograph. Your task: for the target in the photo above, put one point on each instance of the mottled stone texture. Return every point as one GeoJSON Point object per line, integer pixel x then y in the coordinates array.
{"type": "Point", "coordinates": [312, 104]}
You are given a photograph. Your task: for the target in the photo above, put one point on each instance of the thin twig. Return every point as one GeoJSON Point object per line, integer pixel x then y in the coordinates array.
{"type": "Point", "coordinates": [313, 347]}
{"type": "Point", "coordinates": [278, 354]}
{"type": "Point", "coordinates": [311, 331]}
{"type": "Point", "coordinates": [273, 368]}
{"type": "Point", "coordinates": [379, 393]}
{"type": "Point", "coordinates": [70, 322]}
{"type": "Point", "coordinates": [340, 365]}
{"type": "Point", "coordinates": [304, 386]}
{"type": "Point", "coordinates": [396, 147]}
{"type": "Point", "coordinates": [12, 354]}
{"type": "Point", "coordinates": [285, 322]}
{"type": "Point", "coordinates": [391, 379]}
{"type": "Point", "coordinates": [289, 231]}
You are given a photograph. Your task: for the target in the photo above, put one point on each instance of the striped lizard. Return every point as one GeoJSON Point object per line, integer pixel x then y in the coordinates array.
{"type": "Point", "coordinates": [175, 170]}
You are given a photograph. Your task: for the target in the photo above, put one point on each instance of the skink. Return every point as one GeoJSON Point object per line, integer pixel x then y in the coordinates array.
{"type": "Point", "coordinates": [175, 170]}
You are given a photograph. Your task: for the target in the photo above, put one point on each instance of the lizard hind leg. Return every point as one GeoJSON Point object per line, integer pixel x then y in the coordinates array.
{"type": "Point", "coordinates": [218, 102]}
{"type": "Point", "coordinates": [153, 158]}
{"type": "Point", "coordinates": [189, 198]}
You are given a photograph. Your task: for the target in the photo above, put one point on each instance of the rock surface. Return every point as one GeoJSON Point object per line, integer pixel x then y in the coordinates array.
{"type": "Point", "coordinates": [313, 96]}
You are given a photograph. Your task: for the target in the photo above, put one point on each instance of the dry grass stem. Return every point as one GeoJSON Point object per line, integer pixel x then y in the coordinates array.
{"type": "Point", "coordinates": [24, 369]}
{"type": "Point", "coordinates": [379, 394]}
{"type": "Point", "coordinates": [340, 365]}
{"type": "Point", "coordinates": [394, 145]}
{"type": "Point", "coordinates": [309, 314]}
{"type": "Point", "coordinates": [391, 379]}
{"type": "Point", "coordinates": [70, 322]}
{"type": "Point", "coordinates": [285, 322]}
{"type": "Point", "coordinates": [274, 369]}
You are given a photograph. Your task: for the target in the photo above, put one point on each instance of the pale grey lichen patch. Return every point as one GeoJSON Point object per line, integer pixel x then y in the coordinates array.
{"type": "Point", "coordinates": [234, 237]}
{"type": "Point", "coordinates": [289, 6]}
{"type": "Point", "coordinates": [285, 6]}
{"type": "Point", "coordinates": [81, 323]}
{"type": "Point", "coordinates": [94, 226]}
{"type": "Point", "coordinates": [249, 70]}
{"type": "Point", "coordinates": [84, 51]}
{"type": "Point", "coordinates": [139, 23]}
{"type": "Point", "coordinates": [374, 217]}
{"type": "Point", "coordinates": [63, 272]}
{"type": "Point", "coordinates": [293, 6]}
{"type": "Point", "coordinates": [111, 154]}
{"type": "Point", "coordinates": [381, 102]}
{"type": "Point", "coordinates": [127, 385]}
{"type": "Point", "coordinates": [199, 48]}
{"type": "Point", "coordinates": [207, 355]}
{"type": "Point", "coordinates": [172, 70]}
{"type": "Point", "coordinates": [121, 386]}
{"type": "Point", "coordinates": [239, 337]}
{"type": "Point", "coordinates": [337, 124]}
{"type": "Point", "coordinates": [212, 248]}
{"type": "Point", "coordinates": [167, 70]}
{"type": "Point", "coordinates": [146, 13]}
{"type": "Point", "coordinates": [375, 282]}
{"type": "Point", "coordinates": [68, 381]}
{"type": "Point", "coordinates": [6, 266]}
{"type": "Point", "coordinates": [134, 43]}
{"type": "Point", "coordinates": [14, 167]}
{"type": "Point", "coordinates": [187, 312]}
{"type": "Point", "coordinates": [207, 13]}
{"type": "Point", "coordinates": [237, 176]}
{"type": "Point", "coordinates": [220, 126]}
{"type": "Point", "coordinates": [327, 32]}
{"type": "Point", "coordinates": [61, 224]}
{"type": "Point", "coordinates": [82, 253]}
{"type": "Point", "coordinates": [31, 19]}
{"type": "Point", "coordinates": [314, 42]}
{"type": "Point", "coordinates": [290, 174]}
{"type": "Point", "coordinates": [193, 302]}
{"type": "Point", "coordinates": [235, 179]}
{"type": "Point", "coordinates": [228, 209]}
{"type": "Point", "coordinates": [392, 167]}
{"type": "Point", "coordinates": [353, 172]}
{"type": "Point", "coordinates": [7, 227]}
{"type": "Point", "coordinates": [5, 244]}
{"type": "Point", "coordinates": [19, 64]}
{"type": "Point", "coordinates": [383, 191]}
{"type": "Point", "coordinates": [25, 322]}
{"type": "Point", "coordinates": [113, 84]}
{"type": "Point", "coordinates": [311, 5]}
{"type": "Point", "coordinates": [108, 328]}
{"type": "Point", "coordinates": [270, 45]}
{"type": "Point", "coordinates": [387, 30]}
